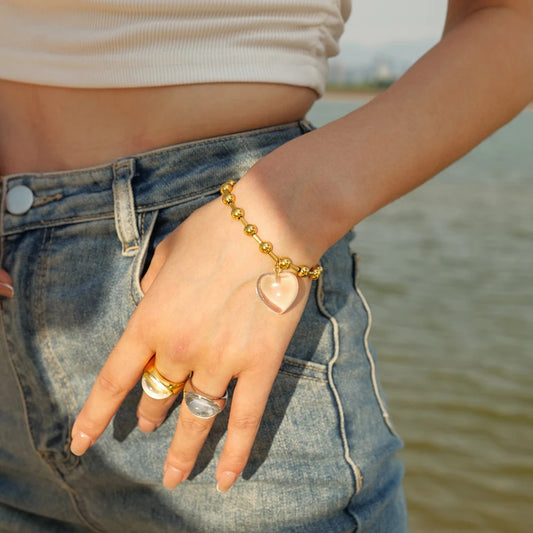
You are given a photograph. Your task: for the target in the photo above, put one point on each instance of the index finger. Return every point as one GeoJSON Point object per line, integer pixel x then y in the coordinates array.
{"type": "Point", "coordinates": [118, 376]}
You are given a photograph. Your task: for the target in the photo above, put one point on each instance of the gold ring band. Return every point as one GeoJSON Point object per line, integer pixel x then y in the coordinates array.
{"type": "Point", "coordinates": [157, 386]}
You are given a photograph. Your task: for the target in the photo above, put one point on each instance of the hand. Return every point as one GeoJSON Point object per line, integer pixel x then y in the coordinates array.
{"type": "Point", "coordinates": [6, 285]}
{"type": "Point", "coordinates": [200, 313]}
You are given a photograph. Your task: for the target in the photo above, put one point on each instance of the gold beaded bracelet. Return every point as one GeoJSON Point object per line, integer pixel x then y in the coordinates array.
{"type": "Point", "coordinates": [278, 291]}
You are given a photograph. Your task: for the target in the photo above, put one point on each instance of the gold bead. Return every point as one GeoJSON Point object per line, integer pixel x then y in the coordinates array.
{"type": "Point", "coordinates": [226, 188]}
{"type": "Point", "coordinates": [284, 263]}
{"type": "Point", "coordinates": [231, 182]}
{"type": "Point", "coordinates": [304, 271]}
{"type": "Point", "coordinates": [250, 229]}
{"type": "Point", "coordinates": [228, 199]}
{"type": "Point", "coordinates": [237, 213]}
{"type": "Point", "coordinates": [265, 247]}
{"type": "Point", "coordinates": [316, 272]}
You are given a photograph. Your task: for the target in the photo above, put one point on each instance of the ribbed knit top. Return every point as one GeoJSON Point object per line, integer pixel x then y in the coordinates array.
{"type": "Point", "coordinates": [135, 43]}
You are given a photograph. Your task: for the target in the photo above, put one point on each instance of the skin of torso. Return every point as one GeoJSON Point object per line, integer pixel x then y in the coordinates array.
{"type": "Point", "coordinates": [47, 129]}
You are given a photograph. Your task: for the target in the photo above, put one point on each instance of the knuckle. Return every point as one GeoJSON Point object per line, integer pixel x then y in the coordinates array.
{"type": "Point", "coordinates": [109, 386]}
{"type": "Point", "coordinates": [195, 425]}
{"type": "Point", "coordinates": [246, 423]}
{"type": "Point", "coordinates": [178, 352]}
{"type": "Point", "coordinates": [234, 464]}
{"type": "Point", "coordinates": [182, 459]}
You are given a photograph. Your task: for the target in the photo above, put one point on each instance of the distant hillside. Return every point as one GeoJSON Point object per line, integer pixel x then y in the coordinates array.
{"type": "Point", "coordinates": [358, 64]}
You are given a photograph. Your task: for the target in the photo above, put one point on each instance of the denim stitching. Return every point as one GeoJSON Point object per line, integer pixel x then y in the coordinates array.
{"type": "Point", "coordinates": [302, 376]}
{"type": "Point", "coordinates": [177, 200]}
{"type": "Point", "coordinates": [143, 216]}
{"type": "Point", "coordinates": [36, 313]}
{"type": "Point", "coordinates": [43, 200]}
{"type": "Point", "coordinates": [358, 478]}
{"type": "Point", "coordinates": [305, 366]}
{"type": "Point", "coordinates": [45, 338]}
{"type": "Point", "coordinates": [370, 358]}
{"type": "Point", "coordinates": [59, 222]}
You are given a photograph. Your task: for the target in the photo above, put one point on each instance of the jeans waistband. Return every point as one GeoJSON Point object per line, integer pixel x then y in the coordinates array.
{"type": "Point", "coordinates": [140, 183]}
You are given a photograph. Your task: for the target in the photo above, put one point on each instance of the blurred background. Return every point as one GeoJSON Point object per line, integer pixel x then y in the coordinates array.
{"type": "Point", "coordinates": [448, 272]}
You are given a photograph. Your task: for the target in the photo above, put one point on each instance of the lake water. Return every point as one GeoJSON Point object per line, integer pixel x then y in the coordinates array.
{"type": "Point", "coordinates": [448, 272]}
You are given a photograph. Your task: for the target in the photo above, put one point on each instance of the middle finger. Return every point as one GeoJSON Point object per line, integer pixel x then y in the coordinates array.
{"type": "Point", "coordinates": [152, 408]}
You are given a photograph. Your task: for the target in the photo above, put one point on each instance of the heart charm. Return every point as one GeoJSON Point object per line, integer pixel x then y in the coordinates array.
{"type": "Point", "coordinates": [278, 290]}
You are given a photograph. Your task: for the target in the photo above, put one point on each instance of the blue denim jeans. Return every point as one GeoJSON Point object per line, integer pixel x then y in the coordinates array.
{"type": "Point", "coordinates": [324, 458]}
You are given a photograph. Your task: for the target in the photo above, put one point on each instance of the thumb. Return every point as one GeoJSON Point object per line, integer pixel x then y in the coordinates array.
{"type": "Point", "coordinates": [158, 260]}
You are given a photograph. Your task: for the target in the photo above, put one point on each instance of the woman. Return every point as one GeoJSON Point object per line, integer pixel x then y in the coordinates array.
{"type": "Point", "coordinates": [117, 141]}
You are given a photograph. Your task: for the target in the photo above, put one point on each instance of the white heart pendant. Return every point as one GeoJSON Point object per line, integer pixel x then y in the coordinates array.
{"type": "Point", "coordinates": [278, 291]}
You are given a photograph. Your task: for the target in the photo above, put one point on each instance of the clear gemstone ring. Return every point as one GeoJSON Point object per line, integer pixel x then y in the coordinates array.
{"type": "Point", "coordinates": [200, 404]}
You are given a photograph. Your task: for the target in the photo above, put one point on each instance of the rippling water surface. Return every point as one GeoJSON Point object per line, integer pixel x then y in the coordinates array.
{"type": "Point", "coordinates": [448, 272]}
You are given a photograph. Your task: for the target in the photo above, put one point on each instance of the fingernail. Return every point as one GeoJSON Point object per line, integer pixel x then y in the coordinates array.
{"type": "Point", "coordinates": [6, 290]}
{"type": "Point", "coordinates": [145, 425]}
{"type": "Point", "coordinates": [225, 481]}
{"type": "Point", "coordinates": [172, 477]}
{"type": "Point", "coordinates": [80, 443]}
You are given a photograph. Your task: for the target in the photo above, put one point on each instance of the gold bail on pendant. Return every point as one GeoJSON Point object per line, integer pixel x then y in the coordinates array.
{"type": "Point", "coordinates": [278, 291]}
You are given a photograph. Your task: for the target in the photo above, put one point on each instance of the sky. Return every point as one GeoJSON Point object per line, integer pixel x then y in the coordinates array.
{"type": "Point", "coordinates": [375, 22]}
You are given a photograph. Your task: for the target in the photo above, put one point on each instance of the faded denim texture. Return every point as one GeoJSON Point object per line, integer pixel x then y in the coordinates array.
{"type": "Point", "coordinates": [324, 459]}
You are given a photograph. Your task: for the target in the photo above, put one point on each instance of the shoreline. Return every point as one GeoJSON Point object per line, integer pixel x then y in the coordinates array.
{"type": "Point", "coordinates": [345, 95]}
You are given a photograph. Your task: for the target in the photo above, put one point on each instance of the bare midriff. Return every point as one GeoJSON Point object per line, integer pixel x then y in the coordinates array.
{"type": "Point", "coordinates": [47, 129]}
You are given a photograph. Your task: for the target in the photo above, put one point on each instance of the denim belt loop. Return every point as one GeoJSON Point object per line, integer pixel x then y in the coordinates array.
{"type": "Point", "coordinates": [125, 220]}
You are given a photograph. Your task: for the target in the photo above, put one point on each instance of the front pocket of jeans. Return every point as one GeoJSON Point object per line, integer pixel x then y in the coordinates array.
{"type": "Point", "coordinates": [297, 368]}
{"type": "Point", "coordinates": [143, 257]}
{"type": "Point", "coordinates": [312, 345]}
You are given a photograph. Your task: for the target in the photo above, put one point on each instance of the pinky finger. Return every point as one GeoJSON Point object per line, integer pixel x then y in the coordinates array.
{"type": "Point", "coordinates": [247, 407]}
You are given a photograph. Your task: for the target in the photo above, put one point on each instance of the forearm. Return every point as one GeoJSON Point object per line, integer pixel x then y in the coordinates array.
{"type": "Point", "coordinates": [475, 80]}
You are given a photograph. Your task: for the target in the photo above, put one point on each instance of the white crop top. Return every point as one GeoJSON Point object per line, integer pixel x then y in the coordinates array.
{"type": "Point", "coordinates": [134, 43]}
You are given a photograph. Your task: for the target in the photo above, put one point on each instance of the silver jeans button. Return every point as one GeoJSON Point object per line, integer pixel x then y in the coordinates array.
{"type": "Point", "coordinates": [19, 200]}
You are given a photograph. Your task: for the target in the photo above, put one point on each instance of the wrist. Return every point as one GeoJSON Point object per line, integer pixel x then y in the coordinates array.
{"type": "Point", "coordinates": [266, 247]}
{"type": "Point", "coordinates": [287, 196]}
{"type": "Point", "coordinates": [279, 289]}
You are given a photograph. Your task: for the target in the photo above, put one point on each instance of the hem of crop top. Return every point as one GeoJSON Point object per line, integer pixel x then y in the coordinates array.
{"type": "Point", "coordinates": [86, 74]}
